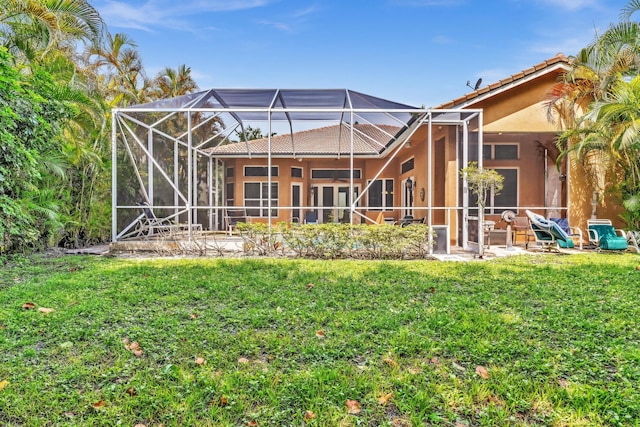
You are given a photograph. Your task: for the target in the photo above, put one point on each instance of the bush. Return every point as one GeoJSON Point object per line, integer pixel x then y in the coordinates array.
{"type": "Point", "coordinates": [333, 241]}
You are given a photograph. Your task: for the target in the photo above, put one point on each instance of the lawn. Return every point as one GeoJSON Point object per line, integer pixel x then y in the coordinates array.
{"type": "Point", "coordinates": [546, 340]}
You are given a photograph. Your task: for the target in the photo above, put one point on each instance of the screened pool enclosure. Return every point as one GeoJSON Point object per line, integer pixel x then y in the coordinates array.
{"type": "Point", "coordinates": [170, 157]}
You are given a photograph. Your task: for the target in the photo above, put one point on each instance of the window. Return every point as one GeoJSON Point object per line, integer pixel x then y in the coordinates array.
{"type": "Point", "coordinates": [380, 195]}
{"type": "Point", "coordinates": [260, 171]}
{"type": "Point", "coordinates": [296, 172]}
{"type": "Point", "coordinates": [335, 174]}
{"type": "Point", "coordinates": [230, 172]}
{"type": "Point", "coordinates": [229, 193]}
{"type": "Point", "coordinates": [507, 199]}
{"type": "Point", "coordinates": [407, 166]}
{"type": "Point", "coordinates": [256, 198]}
{"type": "Point", "coordinates": [500, 151]}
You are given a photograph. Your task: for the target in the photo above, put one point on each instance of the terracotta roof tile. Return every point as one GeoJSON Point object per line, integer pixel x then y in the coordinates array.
{"type": "Point", "coordinates": [549, 63]}
{"type": "Point", "coordinates": [329, 140]}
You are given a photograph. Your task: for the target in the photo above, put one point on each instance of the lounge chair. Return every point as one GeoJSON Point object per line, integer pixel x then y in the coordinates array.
{"type": "Point", "coordinates": [547, 233]}
{"type": "Point", "coordinates": [604, 236]}
{"type": "Point", "coordinates": [573, 232]}
{"type": "Point", "coordinates": [147, 224]}
{"type": "Point", "coordinates": [633, 240]}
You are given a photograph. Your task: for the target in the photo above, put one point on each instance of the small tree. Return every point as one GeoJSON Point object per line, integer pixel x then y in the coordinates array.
{"type": "Point", "coordinates": [480, 182]}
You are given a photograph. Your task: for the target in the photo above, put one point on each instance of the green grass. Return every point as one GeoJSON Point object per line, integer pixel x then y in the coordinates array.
{"type": "Point", "coordinates": [559, 336]}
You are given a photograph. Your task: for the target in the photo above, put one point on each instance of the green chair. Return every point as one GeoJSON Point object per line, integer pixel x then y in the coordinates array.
{"type": "Point", "coordinates": [604, 236]}
{"type": "Point", "coordinates": [547, 233]}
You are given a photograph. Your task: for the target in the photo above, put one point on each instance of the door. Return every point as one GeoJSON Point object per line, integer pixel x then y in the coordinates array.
{"type": "Point", "coordinates": [334, 203]}
{"type": "Point", "coordinates": [296, 200]}
{"type": "Point", "coordinates": [408, 186]}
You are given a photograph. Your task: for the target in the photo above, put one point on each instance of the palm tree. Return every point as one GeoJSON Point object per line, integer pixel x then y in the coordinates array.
{"type": "Point", "coordinates": [175, 82]}
{"type": "Point", "coordinates": [117, 65]}
{"type": "Point", "coordinates": [594, 106]}
{"type": "Point", "coordinates": [31, 28]}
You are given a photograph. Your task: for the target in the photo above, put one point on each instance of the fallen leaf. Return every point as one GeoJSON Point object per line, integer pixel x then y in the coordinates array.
{"type": "Point", "coordinates": [432, 290]}
{"type": "Point", "coordinates": [137, 353]}
{"type": "Point", "coordinates": [383, 399]}
{"type": "Point", "coordinates": [310, 286]}
{"type": "Point", "coordinates": [390, 362]}
{"type": "Point", "coordinates": [46, 310]}
{"type": "Point", "coordinates": [200, 361]}
{"type": "Point", "coordinates": [435, 361]}
{"type": "Point", "coordinates": [243, 361]}
{"type": "Point", "coordinates": [353, 407]}
{"type": "Point", "coordinates": [223, 401]}
{"type": "Point", "coordinates": [563, 383]}
{"type": "Point", "coordinates": [193, 316]}
{"type": "Point", "coordinates": [320, 333]}
{"type": "Point", "coordinates": [495, 400]}
{"type": "Point", "coordinates": [99, 404]}
{"type": "Point", "coordinates": [309, 415]}
{"type": "Point", "coordinates": [28, 305]}
{"type": "Point", "coordinates": [126, 342]}
{"type": "Point", "coordinates": [482, 371]}
{"type": "Point", "coordinates": [3, 384]}
{"type": "Point", "coordinates": [401, 422]}
{"type": "Point", "coordinates": [69, 414]}
{"type": "Point", "coordinates": [139, 425]}
{"type": "Point", "coordinates": [252, 423]}
{"type": "Point", "coordinates": [134, 346]}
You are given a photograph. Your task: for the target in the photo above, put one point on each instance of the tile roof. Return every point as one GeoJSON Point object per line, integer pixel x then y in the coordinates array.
{"type": "Point", "coordinates": [558, 61]}
{"type": "Point", "coordinates": [329, 140]}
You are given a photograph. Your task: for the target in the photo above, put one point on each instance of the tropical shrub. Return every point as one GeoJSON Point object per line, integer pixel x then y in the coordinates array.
{"type": "Point", "coordinates": [335, 240]}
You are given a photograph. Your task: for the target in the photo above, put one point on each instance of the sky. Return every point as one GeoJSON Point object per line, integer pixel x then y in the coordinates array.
{"type": "Point", "coordinates": [416, 52]}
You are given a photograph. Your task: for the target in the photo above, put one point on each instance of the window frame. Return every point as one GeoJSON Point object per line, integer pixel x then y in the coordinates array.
{"type": "Point", "coordinates": [275, 171]}
{"type": "Point", "coordinates": [492, 153]}
{"type": "Point", "coordinates": [357, 173]}
{"type": "Point", "coordinates": [384, 194]}
{"type": "Point", "coordinates": [262, 199]}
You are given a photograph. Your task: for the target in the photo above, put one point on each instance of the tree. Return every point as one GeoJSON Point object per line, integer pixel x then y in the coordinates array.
{"type": "Point", "coordinates": [171, 83]}
{"type": "Point", "coordinates": [31, 121]}
{"type": "Point", "coordinates": [594, 108]}
{"type": "Point", "coordinates": [32, 28]}
{"type": "Point", "coordinates": [481, 181]}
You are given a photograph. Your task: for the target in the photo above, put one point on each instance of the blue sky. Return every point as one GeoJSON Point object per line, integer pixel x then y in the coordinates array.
{"type": "Point", "coordinates": [418, 52]}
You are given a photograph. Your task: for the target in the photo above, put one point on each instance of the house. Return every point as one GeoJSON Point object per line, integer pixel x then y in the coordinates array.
{"type": "Point", "coordinates": [343, 156]}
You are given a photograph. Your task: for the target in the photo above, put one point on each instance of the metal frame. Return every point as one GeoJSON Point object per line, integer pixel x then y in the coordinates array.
{"type": "Point", "coordinates": [130, 124]}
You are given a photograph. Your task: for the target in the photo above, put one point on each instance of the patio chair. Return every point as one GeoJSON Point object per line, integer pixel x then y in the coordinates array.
{"type": "Point", "coordinates": [633, 237]}
{"type": "Point", "coordinates": [573, 232]}
{"type": "Point", "coordinates": [604, 236]}
{"type": "Point", "coordinates": [520, 227]}
{"type": "Point", "coordinates": [147, 224]}
{"type": "Point", "coordinates": [232, 218]}
{"type": "Point", "coordinates": [310, 217]}
{"type": "Point", "coordinates": [547, 233]}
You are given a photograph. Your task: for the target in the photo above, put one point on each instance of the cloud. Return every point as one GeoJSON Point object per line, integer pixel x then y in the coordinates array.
{"type": "Point", "coordinates": [165, 13]}
{"type": "Point", "coordinates": [442, 40]}
{"type": "Point", "coordinates": [293, 22]}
